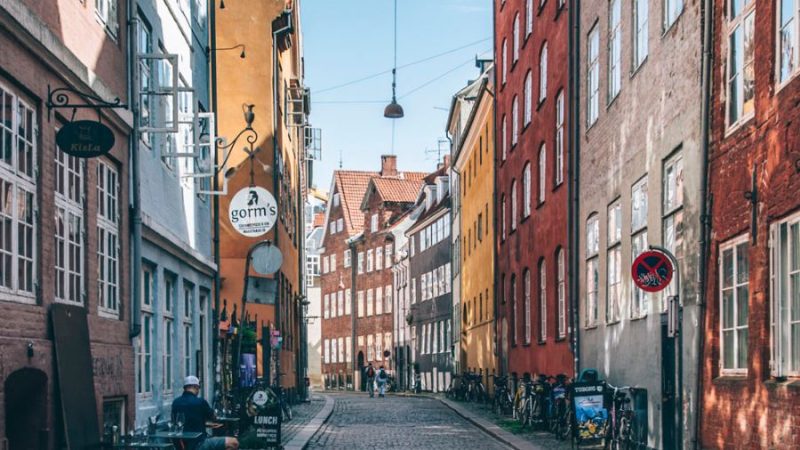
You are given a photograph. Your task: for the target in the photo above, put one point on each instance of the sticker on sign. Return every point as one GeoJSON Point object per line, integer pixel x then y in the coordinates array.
{"type": "Point", "coordinates": [652, 271]}
{"type": "Point", "coordinates": [253, 211]}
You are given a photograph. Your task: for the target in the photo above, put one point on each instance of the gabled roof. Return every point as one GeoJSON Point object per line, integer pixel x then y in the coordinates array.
{"type": "Point", "coordinates": [351, 186]}
{"type": "Point", "coordinates": [399, 189]}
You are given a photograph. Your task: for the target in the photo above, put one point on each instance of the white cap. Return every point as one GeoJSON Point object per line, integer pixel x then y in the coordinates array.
{"type": "Point", "coordinates": [191, 380]}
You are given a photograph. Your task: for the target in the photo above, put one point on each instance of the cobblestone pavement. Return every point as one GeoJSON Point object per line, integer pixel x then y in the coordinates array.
{"type": "Point", "coordinates": [542, 439]}
{"type": "Point", "coordinates": [359, 422]}
{"type": "Point", "coordinates": [302, 413]}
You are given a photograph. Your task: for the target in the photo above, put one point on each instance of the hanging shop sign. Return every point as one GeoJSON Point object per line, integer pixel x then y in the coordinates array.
{"type": "Point", "coordinates": [652, 271]}
{"type": "Point", "coordinates": [85, 139]}
{"type": "Point", "coordinates": [253, 211]}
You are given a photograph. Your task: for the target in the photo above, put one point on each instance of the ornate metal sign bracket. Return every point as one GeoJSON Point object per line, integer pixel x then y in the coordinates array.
{"type": "Point", "coordinates": [62, 98]}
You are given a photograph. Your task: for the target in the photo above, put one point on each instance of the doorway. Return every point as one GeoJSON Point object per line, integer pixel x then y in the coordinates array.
{"type": "Point", "coordinates": [361, 381]}
{"type": "Point", "coordinates": [25, 393]}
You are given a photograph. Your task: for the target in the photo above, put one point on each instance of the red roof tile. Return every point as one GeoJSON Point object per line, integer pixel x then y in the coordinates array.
{"type": "Point", "coordinates": [398, 190]}
{"type": "Point", "coordinates": [352, 184]}
{"type": "Point", "coordinates": [319, 219]}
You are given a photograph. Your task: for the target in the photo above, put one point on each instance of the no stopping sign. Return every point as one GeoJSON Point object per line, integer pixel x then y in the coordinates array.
{"type": "Point", "coordinates": [652, 271]}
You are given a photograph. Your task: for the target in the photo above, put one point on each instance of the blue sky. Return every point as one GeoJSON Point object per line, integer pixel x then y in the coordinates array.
{"type": "Point", "coordinates": [346, 40]}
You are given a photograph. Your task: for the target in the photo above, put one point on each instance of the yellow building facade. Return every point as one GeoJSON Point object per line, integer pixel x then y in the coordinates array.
{"type": "Point", "coordinates": [472, 127]}
{"type": "Point", "coordinates": [257, 59]}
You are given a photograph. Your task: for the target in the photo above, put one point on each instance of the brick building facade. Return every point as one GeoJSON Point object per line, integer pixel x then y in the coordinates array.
{"type": "Point", "coordinates": [359, 247]}
{"type": "Point", "coordinates": [63, 221]}
{"type": "Point", "coordinates": [750, 360]}
{"type": "Point", "coordinates": [531, 153]}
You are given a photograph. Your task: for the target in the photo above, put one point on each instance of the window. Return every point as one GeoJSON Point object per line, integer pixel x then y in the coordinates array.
{"type": "Point", "coordinates": [640, 30]}
{"type": "Point", "coordinates": [543, 73]}
{"type": "Point", "coordinates": [514, 121]}
{"type": "Point", "coordinates": [360, 263]}
{"type": "Point", "coordinates": [388, 299]}
{"type": "Point", "coordinates": [593, 77]}
{"type": "Point", "coordinates": [114, 413]}
{"type": "Point", "coordinates": [347, 300]}
{"type": "Point", "coordinates": [640, 300]}
{"type": "Point", "coordinates": [503, 215]}
{"type": "Point", "coordinates": [106, 11]}
{"type": "Point", "coordinates": [340, 303]}
{"type": "Point", "coordinates": [672, 10]}
{"type": "Point", "coordinates": [592, 236]}
{"type": "Point", "coordinates": [672, 202]}
{"type": "Point", "coordinates": [526, 311]}
{"type": "Point", "coordinates": [379, 258]}
{"type": "Point", "coordinates": [542, 302]}
{"type": "Point", "coordinates": [528, 98]}
{"type": "Point", "coordinates": [144, 45]}
{"type": "Point", "coordinates": [17, 199]}
{"type": "Point", "coordinates": [614, 280]}
{"type": "Point", "coordinates": [348, 343]}
{"type": "Point", "coordinates": [326, 350]}
{"type": "Point", "coordinates": [614, 223]}
{"type": "Point", "coordinates": [388, 254]}
{"type": "Point", "coordinates": [378, 301]}
{"type": "Point", "coordinates": [592, 278]}
{"type": "Point", "coordinates": [69, 228]}
{"type": "Point", "coordinates": [542, 171]}
{"type": "Point", "coordinates": [788, 18]}
{"type": "Point", "coordinates": [526, 190]}
{"type": "Point", "coordinates": [528, 17]}
{"type": "Point", "coordinates": [515, 54]}
{"type": "Point", "coordinates": [144, 355]}
{"type": "Point", "coordinates": [370, 301]}
{"type": "Point", "coordinates": [360, 297]}
{"type": "Point", "coordinates": [615, 48]}
{"type": "Point", "coordinates": [339, 225]}
{"type": "Point", "coordinates": [370, 261]}
{"type": "Point", "coordinates": [325, 260]}
{"type": "Point", "coordinates": [505, 60]}
{"type": "Point", "coordinates": [513, 205]}
{"type": "Point", "coordinates": [734, 274]}
{"type": "Point", "coordinates": [374, 223]}
{"type": "Point", "coordinates": [347, 258]}
{"type": "Point", "coordinates": [514, 331]}
{"type": "Point", "coordinates": [562, 301]}
{"type": "Point", "coordinates": [332, 227]}
{"type": "Point", "coordinates": [166, 357]}
{"type": "Point", "coordinates": [504, 137]}
{"type": "Point", "coordinates": [639, 205]}
{"type": "Point", "coordinates": [560, 138]}
{"type": "Point", "coordinates": [333, 262]}
{"type": "Point", "coordinates": [785, 274]}
{"type": "Point", "coordinates": [336, 199]}
{"type": "Point", "coordinates": [326, 306]}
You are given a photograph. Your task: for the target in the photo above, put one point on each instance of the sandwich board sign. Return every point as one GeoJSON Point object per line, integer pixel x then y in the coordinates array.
{"type": "Point", "coordinates": [253, 211]}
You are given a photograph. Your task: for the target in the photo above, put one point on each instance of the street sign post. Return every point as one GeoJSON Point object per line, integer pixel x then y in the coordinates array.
{"type": "Point", "coordinates": [652, 271]}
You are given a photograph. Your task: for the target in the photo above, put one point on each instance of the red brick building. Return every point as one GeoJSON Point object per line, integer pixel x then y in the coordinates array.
{"type": "Point", "coordinates": [752, 335]}
{"type": "Point", "coordinates": [63, 228]}
{"type": "Point", "coordinates": [358, 247]}
{"type": "Point", "coordinates": [531, 79]}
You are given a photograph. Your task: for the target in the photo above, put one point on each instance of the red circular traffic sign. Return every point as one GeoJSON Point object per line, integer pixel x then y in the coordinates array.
{"type": "Point", "coordinates": [652, 271]}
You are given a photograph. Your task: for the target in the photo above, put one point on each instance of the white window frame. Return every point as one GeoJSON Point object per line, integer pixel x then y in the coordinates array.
{"type": "Point", "coordinates": [370, 261]}
{"type": "Point", "coordinates": [514, 208]}
{"type": "Point", "coordinates": [504, 137]}
{"type": "Point", "coordinates": [503, 216]}
{"type": "Point", "coordinates": [528, 99]}
{"type": "Point", "coordinates": [542, 301]}
{"type": "Point", "coordinates": [640, 300]}
{"type": "Point", "coordinates": [560, 138]}
{"type": "Point", "coordinates": [543, 73]}
{"type": "Point", "coordinates": [505, 61]}
{"type": "Point", "coordinates": [71, 275]}
{"type": "Point", "coordinates": [514, 121]}
{"type": "Point", "coordinates": [378, 258]}
{"type": "Point", "coordinates": [672, 11]}
{"type": "Point", "coordinates": [19, 179]}
{"type": "Point", "coordinates": [615, 48]}
{"type": "Point", "coordinates": [542, 172]}
{"type": "Point", "coordinates": [360, 298]}
{"type": "Point", "coordinates": [370, 301]}
{"type": "Point", "coordinates": [593, 76]}
{"type": "Point", "coordinates": [791, 31]}
{"type": "Point", "coordinates": [733, 245]}
{"type": "Point", "coordinates": [592, 283]}
{"type": "Point", "coordinates": [374, 223]}
{"type": "Point", "coordinates": [347, 300]}
{"type": "Point", "coordinates": [528, 17]}
{"type": "Point", "coordinates": [526, 191]}
{"type": "Point", "coordinates": [514, 311]}
{"type": "Point", "coordinates": [516, 40]}
{"type": "Point", "coordinates": [781, 273]}
{"type": "Point", "coordinates": [641, 32]}
{"type": "Point", "coordinates": [347, 258]}
{"type": "Point", "coordinates": [107, 13]}
{"type": "Point", "coordinates": [734, 24]}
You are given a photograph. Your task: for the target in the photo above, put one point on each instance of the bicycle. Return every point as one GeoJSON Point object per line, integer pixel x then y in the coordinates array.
{"type": "Point", "coordinates": [559, 413]}
{"type": "Point", "coordinates": [619, 434]}
{"type": "Point", "coordinates": [502, 403]}
{"type": "Point", "coordinates": [476, 391]}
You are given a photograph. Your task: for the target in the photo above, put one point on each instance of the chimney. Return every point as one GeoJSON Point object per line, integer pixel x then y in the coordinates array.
{"type": "Point", "coordinates": [388, 165]}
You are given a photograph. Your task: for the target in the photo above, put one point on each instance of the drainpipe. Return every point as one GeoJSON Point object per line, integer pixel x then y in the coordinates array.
{"type": "Point", "coordinates": [212, 14]}
{"type": "Point", "coordinates": [134, 169]}
{"type": "Point", "coordinates": [705, 220]}
{"type": "Point", "coordinates": [573, 175]}
{"type": "Point", "coordinates": [275, 157]}
{"type": "Point", "coordinates": [499, 369]}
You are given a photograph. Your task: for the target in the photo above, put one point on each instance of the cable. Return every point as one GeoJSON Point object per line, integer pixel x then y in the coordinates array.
{"type": "Point", "coordinates": [437, 78]}
{"type": "Point", "coordinates": [413, 63]}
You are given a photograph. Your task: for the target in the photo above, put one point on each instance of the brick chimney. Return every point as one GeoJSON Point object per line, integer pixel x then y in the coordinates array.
{"type": "Point", "coordinates": [388, 165]}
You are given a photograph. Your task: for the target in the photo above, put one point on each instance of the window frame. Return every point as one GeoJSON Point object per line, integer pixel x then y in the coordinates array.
{"type": "Point", "coordinates": [528, 99]}
{"type": "Point", "coordinates": [667, 23]}
{"type": "Point", "coordinates": [526, 192]}
{"type": "Point", "coordinates": [734, 246]}
{"type": "Point", "coordinates": [514, 205]}
{"type": "Point", "coordinates": [73, 278]}
{"type": "Point", "coordinates": [559, 147]}
{"type": "Point", "coordinates": [614, 49]}
{"type": "Point", "coordinates": [637, 28]}
{"type": "Point", "coordinates": [515, 40]}
{"type": "Point", "coordinates": [514, 122]}
{"type": "Point", "coordinates": [561, 331]}
{"type": "Point", "coordinates": [795, 20]}
{"type": "Point", "coordinates": [526, 310]}
{"type": "Point", "coordinates": [542, 188]}
{"type": "Point", "coordinates": [543, 73]}
{"type": "Point", "coordinates": [731, 25]}
{"type": "Point", "coordinates": [780, 314]}
{"type": "Point", "coordinates": [593, 76]}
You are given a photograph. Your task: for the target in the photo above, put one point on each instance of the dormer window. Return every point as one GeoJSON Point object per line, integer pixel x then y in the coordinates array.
{"type": "Point", "coordinates": [336, 199]}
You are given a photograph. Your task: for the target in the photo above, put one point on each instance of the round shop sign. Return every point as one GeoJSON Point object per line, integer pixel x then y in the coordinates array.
{"type": "Point", "coordinates": [260, 398]}
{"type": "Point", "coordinates": [85, 139]}
{"type": "Point", "coordinates": [253, 211]}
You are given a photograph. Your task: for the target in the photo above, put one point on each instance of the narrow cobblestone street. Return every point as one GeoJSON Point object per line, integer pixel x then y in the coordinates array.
{"type": "Point", "coordinates": [397, 422]}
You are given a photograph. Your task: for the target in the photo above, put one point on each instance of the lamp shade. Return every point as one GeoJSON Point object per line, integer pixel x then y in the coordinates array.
{"type": "Point", "coordinates": [393, 110]}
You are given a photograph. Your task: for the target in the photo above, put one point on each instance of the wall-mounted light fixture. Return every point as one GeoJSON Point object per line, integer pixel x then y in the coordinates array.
{"type": "Point", "coordinates": [241, 55]}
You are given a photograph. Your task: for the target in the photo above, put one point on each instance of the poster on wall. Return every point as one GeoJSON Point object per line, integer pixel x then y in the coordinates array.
{"type": "Point", "coordinates": [253, 211]}
{"type": "Point", "coordinates": [590, 412]}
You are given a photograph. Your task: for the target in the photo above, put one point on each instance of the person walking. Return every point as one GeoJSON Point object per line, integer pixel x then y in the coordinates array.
{"type": "Point", "coordinates": [382, 378]}
{"type": "Point", "coordinates": [369, 373]}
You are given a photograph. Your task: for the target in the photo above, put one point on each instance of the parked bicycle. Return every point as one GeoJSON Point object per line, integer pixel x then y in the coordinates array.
{"type": "Point", "coordinates": [619, 433]}
{"type": "Point", "coordinates": [503, 402]}
{"type": "Point", "coordinates": [475, 390]}
{"type": "Point", "coordinates": [559, 412]}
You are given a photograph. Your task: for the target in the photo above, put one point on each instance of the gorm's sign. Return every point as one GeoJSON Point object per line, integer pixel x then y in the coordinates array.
{"type": "Point", "coordinates": [85, 139]}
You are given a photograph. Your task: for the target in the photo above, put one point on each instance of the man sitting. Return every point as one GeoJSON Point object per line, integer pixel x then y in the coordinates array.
{"type": "Point", "coordinates": [196, 411]}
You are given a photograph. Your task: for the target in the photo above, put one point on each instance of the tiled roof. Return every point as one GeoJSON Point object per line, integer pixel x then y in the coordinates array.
{"type": "Point", "coordinates": [352, 184]}
{"type": "Point", "coordinates": [319, 219]}
{"type": "Point", "coordinates": [398, 190]}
